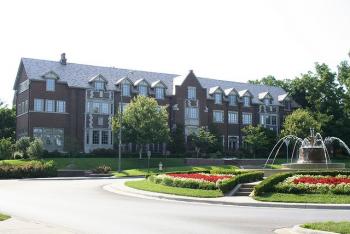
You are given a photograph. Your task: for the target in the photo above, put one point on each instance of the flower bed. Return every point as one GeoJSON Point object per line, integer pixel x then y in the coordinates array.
{"type": "Point", "coordinates": [339, 184]}
{"type": "Point", "coordinates": [189, 180]}
{"type": "Point", "coordinates": [200, 176]}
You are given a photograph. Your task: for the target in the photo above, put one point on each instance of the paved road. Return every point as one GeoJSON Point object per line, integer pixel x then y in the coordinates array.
{"type": "Point", "coordinates": [83, 205]}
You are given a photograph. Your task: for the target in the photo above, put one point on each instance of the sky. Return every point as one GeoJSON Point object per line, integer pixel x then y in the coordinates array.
{"type": "Point", "coordinates": [229, 40]}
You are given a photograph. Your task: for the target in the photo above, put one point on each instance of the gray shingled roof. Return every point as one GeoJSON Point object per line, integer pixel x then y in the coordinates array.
{"type": "Point", "coordinates": [78, 75]}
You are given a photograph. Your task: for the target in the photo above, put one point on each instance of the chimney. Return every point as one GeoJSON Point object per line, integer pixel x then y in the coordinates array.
{"type": "Point", "coordinates": [63, 60]}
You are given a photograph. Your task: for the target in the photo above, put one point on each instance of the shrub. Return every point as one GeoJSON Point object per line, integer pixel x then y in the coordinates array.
{"type": "Point", "coordinates": [267, 185]}
{"type": "Point", "coordinates": [31, 169]}
{"type": "Point", "coordinates": [22, 145]}
{"type": "Point", "coordinates": [181, 182]}
{"type": "Point", "coordinates": [35, 149]}
{"type": "Point", "coordinates": [103, 169]}
{"type": "Point", "coordinates": [104, 152]}
{"type": "Point", "coordinates": [227, 171]}
{"type": "Point", "coordinates": [6, 148]}
{"type": "Point", "coordinates": [227, 185]}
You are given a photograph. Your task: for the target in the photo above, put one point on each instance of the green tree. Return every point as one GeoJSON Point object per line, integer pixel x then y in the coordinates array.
{"type": "Point", "coordinates": [7, 122]}
{"type": "Point", "coordinates": [35, 149]}
{"type": "Point", "coordinates": [202, 140]}
{"type": "Point", "coordinates": [258, 138]}
{"type": "Point", "coordinates": [143, 122]}
{"type": "Point", "coordinates": [6, 148]}
{"type": "Point", "coordinates": [177, 140]}
{"type": "Point", "coordinates": [272, 81]}
{"type": "Point", "coordinates": [299, 123]}
{"type": "Point", "coordinates": [22, 145]}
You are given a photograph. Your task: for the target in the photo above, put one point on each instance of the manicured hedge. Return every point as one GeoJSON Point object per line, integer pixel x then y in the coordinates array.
{"type": "Point", "coordinates": [223, 171]}
{"type": "Point", "coordinates": [32, 169]}
{"type": "Point", "coordinates": [268, 185]}
{"type": "Point", "coordinates": [177, 182]}
{"type": "Point", "coordinates": [227, 185]}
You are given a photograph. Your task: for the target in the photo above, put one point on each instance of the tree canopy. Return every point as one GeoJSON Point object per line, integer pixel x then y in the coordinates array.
{"type": "Point", "coordinates": [143, 122]}
{"type": "Point", "coordinates": [7, 122]}
{"type": "Point", "coordinates": [202, 140]}
{"type": "Point", "coordinates": [258, 138]}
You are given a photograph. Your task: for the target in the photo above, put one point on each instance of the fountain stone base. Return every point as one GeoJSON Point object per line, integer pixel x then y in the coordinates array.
{"type": "Point", "coordinates": [314, 166]}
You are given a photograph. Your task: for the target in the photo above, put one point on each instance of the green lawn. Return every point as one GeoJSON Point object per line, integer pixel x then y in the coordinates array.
{"type": "Point", "coordinates": [4, 217]}
{"type": "Point", "coordinates": [142, 172]}
{"type": "Point", "coordinates": [305, 198]}
{"type": "Point", "coordinates": [337, 227]}
{"type": "Point", "coordinates": [149, 186]}
{"type": "Point", "coordinates": [14, 162]}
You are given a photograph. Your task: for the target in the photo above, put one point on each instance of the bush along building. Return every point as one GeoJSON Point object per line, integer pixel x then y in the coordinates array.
{"type": "Point", "coordinates": [64, 103]}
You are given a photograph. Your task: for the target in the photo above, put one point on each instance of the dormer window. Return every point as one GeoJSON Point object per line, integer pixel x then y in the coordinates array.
{"type": "Point", "coordinates": [50, 85]}
{"type": "Point", "coordinates": [267, 101]}
{"type": "Point", "coordinates": [99, 85]}
{"type": "Point", "coordinates": [287, 105]}
{"type": "Point", "coordinates": [246, 101]}
{"type": "Point", "coordinates": [218, 98]}
{"type": "Point", "coordinates": [159, 93]}
{"type": "Point", "coordinates": [143, 90]}
{"type": "Point", "coordinates": [232, 100]}
{"type": "Point", "coordinates": [126, 89]}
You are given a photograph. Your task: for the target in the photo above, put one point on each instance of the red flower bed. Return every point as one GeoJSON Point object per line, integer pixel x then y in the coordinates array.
{"type": "Point", "coordinates": [198, 176]}
{"type": "Point", "coordinates": [325, 180]}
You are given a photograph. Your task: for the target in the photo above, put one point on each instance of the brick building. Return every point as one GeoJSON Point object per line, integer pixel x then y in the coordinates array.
{"type": "Point", "coordinates": [60, 102]}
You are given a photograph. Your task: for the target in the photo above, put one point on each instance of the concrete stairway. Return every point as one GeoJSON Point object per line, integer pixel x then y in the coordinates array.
{"type": "Point", "coordinates": [245, 190]}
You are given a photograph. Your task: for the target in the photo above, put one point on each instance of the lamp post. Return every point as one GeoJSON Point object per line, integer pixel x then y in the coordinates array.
{"type": "Point", "coordinates": [120, 122]}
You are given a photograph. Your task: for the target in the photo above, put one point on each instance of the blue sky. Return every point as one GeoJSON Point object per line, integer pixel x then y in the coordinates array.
{"type": "Point", "coordinates": [230, 40]}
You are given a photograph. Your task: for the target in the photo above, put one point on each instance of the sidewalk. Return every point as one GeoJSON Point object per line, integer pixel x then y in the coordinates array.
{"type": "Point", "coordinates": [20, 226]}
{"type": "Point", "coordinates": [119, 188]}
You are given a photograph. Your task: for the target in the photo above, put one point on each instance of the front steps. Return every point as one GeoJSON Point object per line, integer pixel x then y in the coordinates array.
{"type": "Point", "coordinates": [245, 189]}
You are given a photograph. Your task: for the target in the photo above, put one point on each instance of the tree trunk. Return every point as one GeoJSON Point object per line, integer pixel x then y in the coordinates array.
{"type": "Point", "coordinates": [140, 151]}
{"type": "Point", "coordinates": [197, 150]}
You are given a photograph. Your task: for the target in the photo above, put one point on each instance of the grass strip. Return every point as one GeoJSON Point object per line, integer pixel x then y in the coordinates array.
{"type": "Point", "coordinates": [304, 198]}
{"type": "Point", "coordinates": [4, 217]}
{"type": "Point", "coordinates": [159, 188]}
{"type": "Point", "coordinates": [142, 172]}
{"type": "Point", "coordinates": [337, 227]}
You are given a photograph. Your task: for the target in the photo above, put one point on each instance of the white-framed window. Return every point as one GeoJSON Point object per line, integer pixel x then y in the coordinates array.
{"type": "Point", "coordinates": [26, 106]}
{"type": "Point", "coordinates": [218, 116]}
{"type": "Point", "coordinates": [38, 104]}
{"type": "Point", "coordinates": [232, 100]}
{"type": "Point", "coordinates": [273, 120]}
{"type": "Point", "coordinates": [192, 113]}
{"type": "Point", "coordinates": [143, 90]}
{"type": "Point", "coordinates": [218, 98]}
{"type": "Point", "coordinates": [191, 93]}
{"type": "Point", "coordinates": [99, 85]}
{"type": "Point", "coordinates": [100, 121]}
{"type": "Point", "coordinates": [49, 105]}
{"type": "Point", "coordinates": [50, 85]}
{"type": "Point", "coordinates": [104, 137]}
{"type": "Point", "coordinates": [104, 108]}
{"type": "Point", "coordinates": [61, 106]}
{"type": "Point", "coordinates": [96, 107]}
{"type": "Point", "coordinates": [126, 89]}
{"type": "Point", "coordinates": [246, 101]}
{"type": "Point", "coordinates": [95, 137]}
{"type": "Point", "coordinates": [247, 118]}
{"type": "Point", "coordinates": [232, 117]}
{"type": "Point", "coordinates": [159, 93]}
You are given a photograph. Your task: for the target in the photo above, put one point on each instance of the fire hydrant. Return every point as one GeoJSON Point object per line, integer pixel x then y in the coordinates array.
{"type": "Point", "coordinates": [160, 166]}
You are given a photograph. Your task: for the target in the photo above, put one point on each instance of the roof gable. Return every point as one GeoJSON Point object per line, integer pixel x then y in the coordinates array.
{"type": "Point", "coordinates": [215, 89]}
{"type": "Point", "coordinates": [99, 77]}
{"type": "Point", "coordinates": [230, 91]}
{"type": "Point", "coordinates": [50, 75]}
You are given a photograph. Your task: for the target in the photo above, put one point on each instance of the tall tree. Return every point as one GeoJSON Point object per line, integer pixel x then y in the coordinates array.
{"type": "Point", "coordinates": [7, 122]}
{"type": "Point", "coordinates": [299, 123]}
{"type": "Point", "coordinates": [272, 81]}
{"type": "Point", "coordinates": [202, 140]}
{"type": "Point", "coordinates": [143, 122]}
{"type": "Point", "coordinates": [258, 138]}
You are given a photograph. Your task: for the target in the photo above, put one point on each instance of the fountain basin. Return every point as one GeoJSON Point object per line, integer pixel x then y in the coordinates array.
{"type": "Point", "coordinates": [314, 166]}
{"type": "Point", "coordinates": [312, 154]}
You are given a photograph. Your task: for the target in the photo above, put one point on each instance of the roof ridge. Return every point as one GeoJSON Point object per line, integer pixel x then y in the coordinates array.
{"type": "Point", "coordinates": [110, 67]}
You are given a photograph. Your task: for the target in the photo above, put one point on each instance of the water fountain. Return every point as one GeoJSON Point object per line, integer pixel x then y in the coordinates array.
{"type": "Point", "coordinates": [312, 152]}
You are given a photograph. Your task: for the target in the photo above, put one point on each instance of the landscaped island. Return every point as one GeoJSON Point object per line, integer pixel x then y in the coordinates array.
{"type": "Point", "coordinates": [307, 186]}
{"type": "Point", "coordinates": [213, 183]}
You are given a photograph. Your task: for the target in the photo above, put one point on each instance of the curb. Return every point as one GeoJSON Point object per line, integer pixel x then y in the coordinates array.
{"type": "Point", "coordinates": [300, 230]}
{"type": "Point", "coordinates": [124, 190]}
